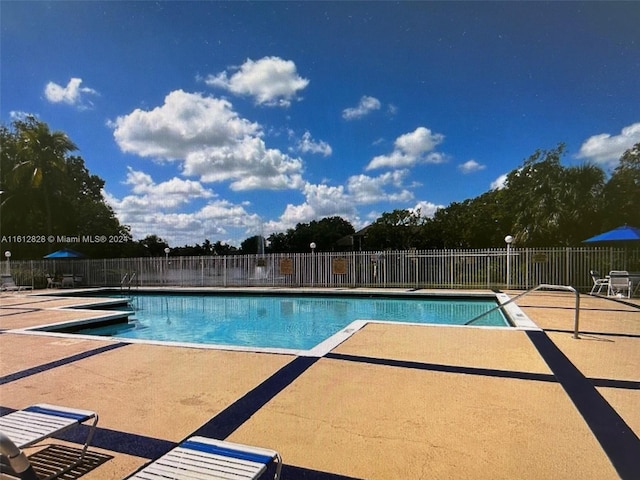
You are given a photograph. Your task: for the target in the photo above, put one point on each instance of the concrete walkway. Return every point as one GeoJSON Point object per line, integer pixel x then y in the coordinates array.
{"type": "Point", "coordinates": [392, 401]}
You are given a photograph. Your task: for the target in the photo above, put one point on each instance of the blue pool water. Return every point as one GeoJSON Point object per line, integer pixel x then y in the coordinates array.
{"type": "Point", "coordinates": [292, 322]}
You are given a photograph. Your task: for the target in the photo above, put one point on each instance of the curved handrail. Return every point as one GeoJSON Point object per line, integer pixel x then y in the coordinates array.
{"type": "Point", "coordinates": [540, 287]}
{"type": "Point", "coordinates": [16, 459]}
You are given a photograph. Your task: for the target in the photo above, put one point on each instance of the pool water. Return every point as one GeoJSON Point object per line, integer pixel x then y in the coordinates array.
{"type": "Point", "coordinates": [291, 322]}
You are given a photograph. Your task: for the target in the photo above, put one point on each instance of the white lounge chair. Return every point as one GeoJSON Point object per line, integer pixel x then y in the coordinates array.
{"type": "Point", "coordinates": [8, 284]}
{"type": "Point", "coordinates": [598, 282]}
{"type": "Point", "coordinates": [68, 281]}
{"type": "Point", "coordinates": [33, 424]}
{"type": "Point", "coordinates": [619, 283]}
{"type": "Point", "coordinates": [52, 282]}
{"type": "Point", "coordinates": [206, 458]}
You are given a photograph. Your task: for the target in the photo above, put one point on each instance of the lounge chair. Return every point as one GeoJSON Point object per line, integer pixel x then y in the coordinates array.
{"type": "Point", "coordinates": [8, 284]}
{"type": "Point", "coordinates": [598, 282]}
{"type": "Point", "coordinates": [52, 282]}
{"type": "Point", "coordinates": [619, 283]}
{"type": "Point", "coordinates": [206, 458]}
{"type": "Point", "coordinates": [68, 280]}
{"type": "Point", "coordinates": [33, 424]}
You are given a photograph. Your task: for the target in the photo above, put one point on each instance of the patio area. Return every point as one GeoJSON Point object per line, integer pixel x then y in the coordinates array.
{"type": "Point", "coordinates": [392, 401]}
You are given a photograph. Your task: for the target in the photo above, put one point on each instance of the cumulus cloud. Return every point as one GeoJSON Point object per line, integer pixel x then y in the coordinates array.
{"type": "Point", "coordinates": [365, 106]}
{"type": "Point", "coordinates": [210, 140]}
{"type": "Point", "coordinates": [308, 145]}
{"type": "Point", "coordinates": [606, 149]}
{"type": "Point", "coordinates": [364, 189]}
{"type": "Point", "coordinates": [164, 208]}
{"type": "Point", "coordinates": [169, 194]}
{"type": "Point", "coordinates": [326, 201]}
{"type": "Point", "coordinates": [20, 115]}
{"type": "Point", "coordinates": [320, 201]}
{"type": "Point", "coordinates": [499, 183]}
{"type": "Point", "coordinates": [426, 209]}
{"type": "Point", "coordinates": [248, 165]}
{"type": "Point", "coordinates": [410, 149]}
{"type": "Point", "coordinates": [184, 123]}
{"type": "Point", "coordinates": [271, 81]}
{"type": "Point", "coordinates": [471, 166]}
{"type": "Point", "coordinates": [72, 94]}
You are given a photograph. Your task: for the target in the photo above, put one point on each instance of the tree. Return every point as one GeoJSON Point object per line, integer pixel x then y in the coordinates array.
{"type": "Point", "coordinates": [473, 223]}
{"type": "Point", "coordinates": [37, 167]}
{"type": "Point", "coordinates": [220, 248]}
{"type": "Point", "coordinates": [398, 230]}
{"type": "Point", "coordinates": [253, 245]}
{"type": "Point", "coordinates": [622, 192]}
{"type": "Point", "coordinates": [153, 246]}
{"type": "Point", "coordinates": [580, 211]}
{"type": "Point", "coordinates": [279, 242]}
{"type": "Point", "coordinates": [50, 194]}
{"type": "Point", "coordinates": [552, 205]}
{"type": "Point", "coordinates": [324, 233]}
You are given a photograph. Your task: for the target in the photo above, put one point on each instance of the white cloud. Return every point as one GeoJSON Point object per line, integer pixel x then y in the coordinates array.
{"type": "Point", "coordinates": [168, 194]}
{"type": "Point", "coordinates": [366, 190]}
{"type": "Point", "coordinates": [73, 94]}
{"type": "Point", "coordinates": [211, 141]}
{"type": "Point", "coordinates": [162, 208]}
{"type": "Point", "coordinates": [308, 145]}
{"type": "Point", "coordinates": [410, 149]}
{"type": "Point", "coordinates": [471, 166]}
{"type": "Point", "coordinates": [248, 164]}
{"type": "Point", "coordinates": [271, 81]}
{"type": "Point", "coordinates": [186, 122]}
{"type": "Point", "coordinates": [427, 209]}
{"type": "Point", "coordinates": [365, 106]}
{"type": "Point", "coordinates": [320, 201]}
{"type": "Point", "coordinates": [499, 183]}
{"type": "Point", "coordinates": [20, 115]}
{"type": "Point", "coordinates": [326, 201]}
{"type": "Point", "coordinates": [607, 149]}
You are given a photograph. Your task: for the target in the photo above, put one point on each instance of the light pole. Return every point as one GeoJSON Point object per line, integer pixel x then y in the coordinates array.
{"type": "Point", "coordinates": [166, 264]}
{"type": "Point", "coordinates": [508, 240]}
{"type": "Point", "coordinates": [312, 245]}
{"type": "Point", "coordinates": [7, 254]}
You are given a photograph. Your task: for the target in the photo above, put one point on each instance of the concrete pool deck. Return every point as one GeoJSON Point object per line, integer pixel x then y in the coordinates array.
{"type": "Point", "coordinates": [392, 401]}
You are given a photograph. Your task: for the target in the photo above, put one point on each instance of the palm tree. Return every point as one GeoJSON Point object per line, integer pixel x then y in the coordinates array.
{"type": "Point", "coordinates": [39, 164]}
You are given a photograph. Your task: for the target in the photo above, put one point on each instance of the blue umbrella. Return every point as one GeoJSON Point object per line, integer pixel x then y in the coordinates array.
{"type": "Point", "coordinates": [624, 233]}
{"type": "Point", "coordinates": [65, 253]}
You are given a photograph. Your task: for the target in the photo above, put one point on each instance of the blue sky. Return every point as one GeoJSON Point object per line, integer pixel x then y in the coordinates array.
{"type": "Point", "coordinates": [222, 120]}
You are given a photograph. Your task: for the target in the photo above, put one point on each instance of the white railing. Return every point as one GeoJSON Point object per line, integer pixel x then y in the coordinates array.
{"type": "Point", "coordinates": [410, 269]}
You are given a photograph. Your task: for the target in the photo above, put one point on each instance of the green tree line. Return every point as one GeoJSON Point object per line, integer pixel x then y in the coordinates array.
{"type": "Point", "coordinates": [541, 204]}
{"type": "Point", "coordinates": [47, 190]}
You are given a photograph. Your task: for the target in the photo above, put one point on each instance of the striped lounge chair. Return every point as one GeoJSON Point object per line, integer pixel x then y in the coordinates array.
{"type": "Point", "coordinates": [206, 458]}
{"type": "Point", "coordinates": [28, 426]}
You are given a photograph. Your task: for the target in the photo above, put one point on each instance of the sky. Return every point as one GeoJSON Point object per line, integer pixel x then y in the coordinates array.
{"type": "Point", "coordinates": [224, 120]}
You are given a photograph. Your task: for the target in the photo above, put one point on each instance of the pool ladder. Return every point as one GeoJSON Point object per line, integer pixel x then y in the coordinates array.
{"type": "Point", "coordinates": [127, 279]}
{"type": "Point", "coordinates": [542, 286]}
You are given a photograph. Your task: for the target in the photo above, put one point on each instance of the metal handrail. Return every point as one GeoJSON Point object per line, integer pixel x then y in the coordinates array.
{"type": "Point", "coordinates": [128, 282]}
{"type": "Point", "coordinates": [540, 287]}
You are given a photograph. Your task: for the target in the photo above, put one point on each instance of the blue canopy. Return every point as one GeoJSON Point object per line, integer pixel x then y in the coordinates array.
{"type": "Point", "coordinates": [65, 253]}
{"type": "Point", "coordinates": [620, 234]}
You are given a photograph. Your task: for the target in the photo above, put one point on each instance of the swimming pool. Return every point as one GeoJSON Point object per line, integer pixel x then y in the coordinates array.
{"type": "Point", "coordinates": [297, 322]}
